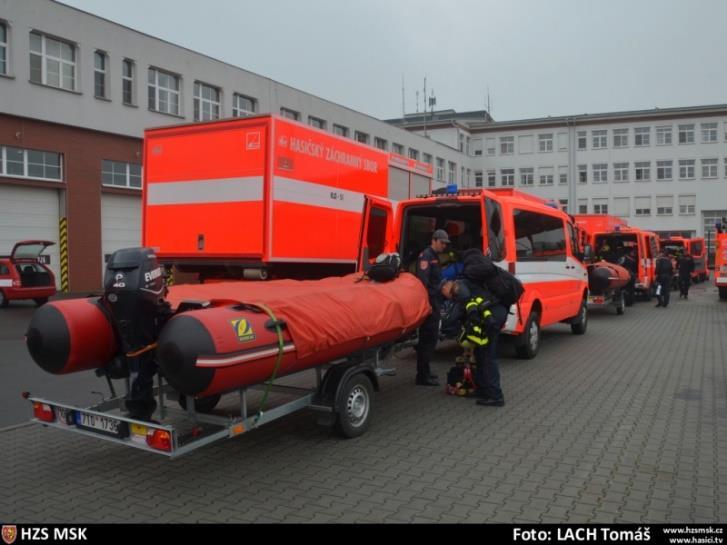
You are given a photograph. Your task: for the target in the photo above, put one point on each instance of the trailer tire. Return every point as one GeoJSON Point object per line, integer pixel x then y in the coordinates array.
{"type": "Point", "coordinates": [3, 299]}
{"type": "Point", "coordinates": [354, 406]}
{"type": "Point", "coordinates": [723, 293]}
{"type": "Point", "coordinates": [621, 303]}
{"type": "Point", "coordinates": [40, 301]}
{"type": "Point", "coordinates": [201, 405]}
{"type": "Point", "coordinates": [528, 344]}
{"type": "Point", "coordinates": [629, 297]}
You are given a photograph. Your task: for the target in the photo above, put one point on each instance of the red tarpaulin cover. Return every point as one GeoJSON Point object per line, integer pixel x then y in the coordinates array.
{"type": "Point", "coordinates": [323, 313]}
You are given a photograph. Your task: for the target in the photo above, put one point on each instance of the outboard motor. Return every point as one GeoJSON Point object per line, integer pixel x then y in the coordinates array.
{"type": "Point", "coordinates": [134, 291]}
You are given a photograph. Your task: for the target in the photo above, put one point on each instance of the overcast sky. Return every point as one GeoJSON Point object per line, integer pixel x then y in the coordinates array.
{"type": "Point", "coordinates": [538, 57]}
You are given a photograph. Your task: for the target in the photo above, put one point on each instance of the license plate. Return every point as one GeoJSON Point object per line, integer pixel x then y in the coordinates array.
{"type": "Point", "coordinates": [597, 300]}
{"type": "Point", "coordinates": [64, 416]}
{"type": "Point", "coordinates": [102, 424]}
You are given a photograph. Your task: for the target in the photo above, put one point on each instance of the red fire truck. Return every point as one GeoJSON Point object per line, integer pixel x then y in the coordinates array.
{"type": "Point", "coordinates": [720, 259]}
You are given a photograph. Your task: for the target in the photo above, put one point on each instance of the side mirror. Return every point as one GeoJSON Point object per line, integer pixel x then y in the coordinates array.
{"type": "Point", "coordinates": [587, 252]}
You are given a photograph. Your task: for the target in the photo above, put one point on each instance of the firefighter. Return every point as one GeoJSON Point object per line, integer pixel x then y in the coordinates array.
{"type": "Point", "coordinates": [628, 262]}
{"type": "Point", "coordinates": [685, 266]}
{"type": "Point", "coordinates": [430, 274]}
{"type": "Point", "coordinates": [664, 274]}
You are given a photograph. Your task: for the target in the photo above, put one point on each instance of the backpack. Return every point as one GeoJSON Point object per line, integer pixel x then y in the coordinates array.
{"type": "Point", "coordinates": [507, 287]}
{"type": "Point", "coordinates": [501, 283]}
{"type": "Point", "coordinates": [386, 268]}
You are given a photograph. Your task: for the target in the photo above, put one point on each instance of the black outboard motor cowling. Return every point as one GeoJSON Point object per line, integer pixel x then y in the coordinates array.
{"type": "Point", "coordinates": [134, 290]}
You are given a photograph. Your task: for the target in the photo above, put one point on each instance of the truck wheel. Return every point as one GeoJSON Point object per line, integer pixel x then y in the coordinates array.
{"type": "Point", "coordinates": [3, 299]}
{"type": "Point", "coordinates": [354, 406]}
{"type": "Point", "coordinates": [621, 304]}
{"type": "Point", "coordinates": [528, 343]}
{"type": "Point", "coordinates": [40, 301]}
{"type": "Point", "coordinates": [580, 327]}
{"type": "Point", "coordinates": [201, 405]}
{"type": "Point", "coordinates": [723, 293]}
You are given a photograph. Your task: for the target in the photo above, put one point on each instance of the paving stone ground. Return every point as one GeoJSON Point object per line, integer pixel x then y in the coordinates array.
{"type": "Point", "coordinates": [627, 423]}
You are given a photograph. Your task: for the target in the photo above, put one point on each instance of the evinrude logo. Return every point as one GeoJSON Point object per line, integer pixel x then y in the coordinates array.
{"type": "Point", "coordinates": [243, 330]}
{"type": "Point", "coordinates": [153, 275]}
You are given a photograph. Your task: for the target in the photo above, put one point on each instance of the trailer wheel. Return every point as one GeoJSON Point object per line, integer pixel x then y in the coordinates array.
{"type": "Point", "coordinates": [621, 303]}
{"type": "Point", "coordinates": [580, 327]}
{"type": "Point", "coordinates": [202, 405]}
{"type": "Point", "coordinates": [629, 297]}
{"type": "Point", "coordinates": [3, 299]}
{"type": "Point", "coordinates": [528, 343]}
{"type": "Point", "coordinates": [723, 293]}
{"type": "Point", "coordinates": [354, 406]}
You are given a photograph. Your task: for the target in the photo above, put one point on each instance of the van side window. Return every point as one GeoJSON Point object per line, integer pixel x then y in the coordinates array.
{"type": "Point", "coordinates": [575, 250]}
{"type": "Point", "coordinates": [376, 236]}
{"type": "Point", "coordinates": [654, 249]}
{"type": "Point", "coordinates": [539, 237]}
{"type": "Point", "coordinates": [697, 248]}
{"type": "Point", "coordinates": [4, 269]}
{"type": "Point", "coordinates": [495, 230]}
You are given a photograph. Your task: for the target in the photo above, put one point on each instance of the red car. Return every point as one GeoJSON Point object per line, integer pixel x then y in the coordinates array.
{"type": "Point", "coordinates": [22, 276]}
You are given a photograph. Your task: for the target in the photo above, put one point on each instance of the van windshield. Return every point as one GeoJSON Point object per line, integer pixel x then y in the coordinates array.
{"type": "Point", "coordinates": [462, 222]}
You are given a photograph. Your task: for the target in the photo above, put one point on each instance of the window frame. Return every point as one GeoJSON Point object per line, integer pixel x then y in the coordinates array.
{"type": "Point", "coordinates": [158, 89]}
{"type": "Point", "coordinates": [5, 48]}
{"type": "Point", "coordinates": [103, 73]}
{"type": "Point", "coordinates": [522, 217]}
{"type": "Point", "coordinates": [26, 165]}
{"type": "Point", "coordinates": [45, 57]}
{"type": "Point", "coordinates": [130, 80]}
{"type": "Point", "coordinates": [127, 174]}
{"type": "Point", "coordinates": [238, 111]}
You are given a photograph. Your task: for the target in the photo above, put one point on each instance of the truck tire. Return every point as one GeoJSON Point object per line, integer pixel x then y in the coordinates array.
{"type": "Point", "coordinates": [723, 293]}
{"type": "Point", "coordinates": [620, 303]}
{"type": "Point", "coordinates": [528, 343]}
{"type": "Point", "coordinates": [3, 299]}
{"type": "Point", "coordinates": [580, 327]}
{"type": "Point", "coordinates": [354, 406]}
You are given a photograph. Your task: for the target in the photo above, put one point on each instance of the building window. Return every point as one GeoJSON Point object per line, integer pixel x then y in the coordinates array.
{"type": "Point", "coordinates": [317, 122]}
{"type": "Point", "coordinates": [583, 206]}
{"type": "Point", "coordinates": [621, 206]}
{"type": "Point", "coordinates": [119, 174]}
{"type": "Point", "coordinates": [461, 142]}
{"type": "Point", "coordinates": [664, 170]}
{"type": "Point", "coordinates": [491, 146]}
{"type": "Point", "coordinates": [384, 145]}
{"type": "Point", "coordinates": [665, 205]}
{"type": "Point", "coordinates": [478, 178]}
{"type": "Point", "coordinates": [582, 140]}
{"type": "Point", "coordinates": [243, 106]}
{"type": "Point", "coordinates": [687, 205]}
{"type": "Point", "coordinates": [663, 136]}
{"type": "Point", "coordinates": [642, 136]}
{"type": "Point", "coordinates": [507, 145]}
{"type": "Point", "coordinates": [100, 75]}
{"type": "Point", "coordinates": [440, 169]}
{"type": "Point", "coordinates": [545, 143]}
{"type": "Point", "coordinates": [468, 145]}
{"type": "Point", "coordinates": [508, 176]}
{"type": "Point", "coordinates": [709, 133]}
{"type": "Point", "coordinates": [427, 158]}
{"type": "Point", "coordinates": [526, 176]}
{"type": "Point", "coordinates": [52, 62]}
{"type": "Point", "coordinates": [491, 178]}
{"type": "Point", "coordinates": [290, 114]}
{"type": "Point", "coordinates": [563, 175]}
{"type": "Point", "coordinates": [600, 206]}
{"type": "Point", "coordinates": [545, 174]}
{"type": "Point", "coordinates": [600, 139]}
{"type": "Point", "coordinates": [600, 173]}
{"type": "Point", "coordinates": [399, 149]}
{"type": "Point", "coordinates": [206, 102]}
{"type": "Point", "coordinates": [3, 48]}
{"type": "Point", "coordinates": [26, 163]}
{"type": "Point", "coordinates": [163, 93]}
{"type": "Point", "coordinates": [452, 172]}
{"type": "Point", "coordinates": [582, 174]}
{"type": "Point", "coordinates": [340, 130]}
{"type": "Point", "coordinates": [620, 172]}
{"type": "Point", "coordinates": [128, 69]}
{"type": "Point", "coordinates": [709, 168]}
{"type": "Point", "coordinates": [686, 169]}
{"type": "Point", "coordinates": [413, 154]}
{"type": "Point", "coordinates": [642, 206]}
{"type": "Point", "coordinates": [620, 138]}
{"type": "Point", "coordinates": [642, 171]}
{"type": "Point", "coordinates": [361, 137]}
{"type": "Point", "coordinates": [686, 134]}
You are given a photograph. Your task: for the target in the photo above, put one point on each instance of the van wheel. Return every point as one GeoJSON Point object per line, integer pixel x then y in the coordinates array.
{"type": "Point", "coordinates": [528, 343]}
{"type": "Point", "coordinates": [40, 301]}
{"type": "Point", "coordinates": [621, 304]}
{"type": "Point", "coordinates": [3, 299]}
{"type": "Point", "coordinates": [354, 406]}
{"type": "Point", "coordinates": [579, 327]}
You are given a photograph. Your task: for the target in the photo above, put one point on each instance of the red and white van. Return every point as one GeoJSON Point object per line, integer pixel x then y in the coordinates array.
{"type": "Point", "coordinates": [695, 247]}
{"type": "Point", "coordinates": [526, 235]}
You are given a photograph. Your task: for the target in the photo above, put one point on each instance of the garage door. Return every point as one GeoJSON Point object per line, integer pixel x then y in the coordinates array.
{"type": "Point", "coordinates": [30, 213]}
{"type": "Point", "coordinates": [120, 224]}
